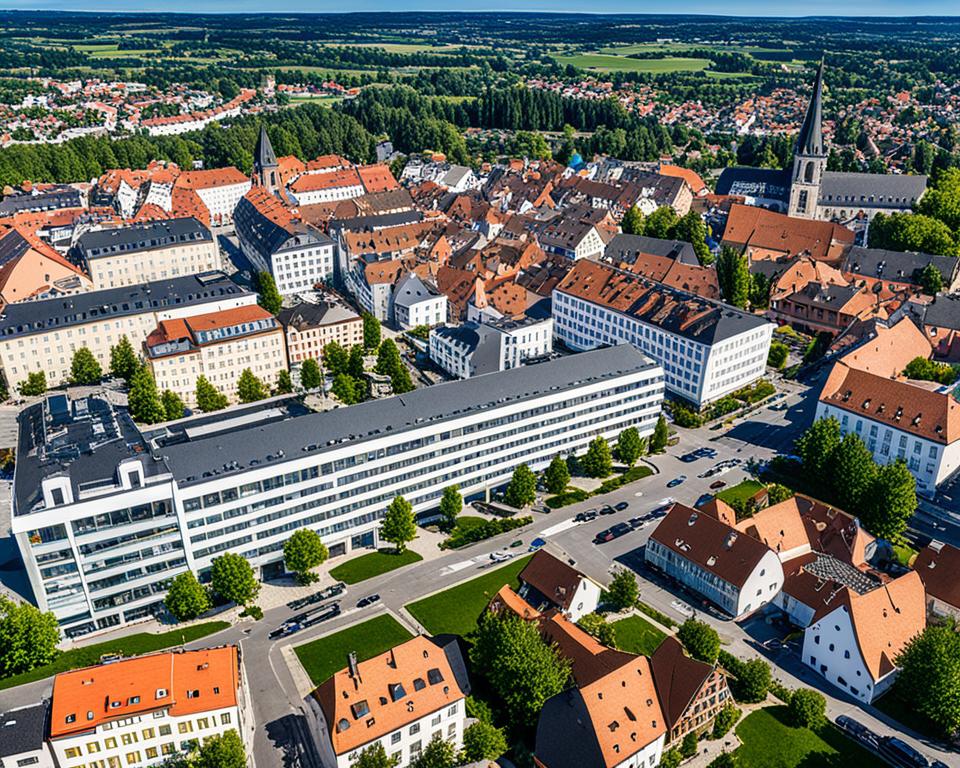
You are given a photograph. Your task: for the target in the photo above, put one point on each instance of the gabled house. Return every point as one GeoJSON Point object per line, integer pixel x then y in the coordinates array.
{"type": "Point", "coordinates": [548, 582]}
{"type": "Point", "coordinates": [939, 567]}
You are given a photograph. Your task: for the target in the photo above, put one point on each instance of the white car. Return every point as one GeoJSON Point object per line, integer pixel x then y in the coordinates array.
{"type": "Point", "coordinates": [500, 556]}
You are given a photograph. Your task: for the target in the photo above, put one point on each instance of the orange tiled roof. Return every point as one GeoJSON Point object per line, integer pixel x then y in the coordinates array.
{"type": "Point", "coordinates": [215, 177]}
{"type": "Point", "coordinates": [86, 698]}
{"type": "Point", "coordinates": [312, 182]}
{"type": "Point", "coordinates": [377, 178]}
{"type": "Point", "coordinates": [691, 177]}
{"type": "Point", "coordinates": [751, 226]}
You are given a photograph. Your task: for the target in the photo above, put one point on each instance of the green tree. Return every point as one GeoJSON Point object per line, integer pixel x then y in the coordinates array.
{"type": "Point", "coordinates": [388, 358]}
{"type": "Point", "coordinates": [400, 380]}
{"type": "Point", "coordinates": [186, 597]}
{"type": "Point", "coordinates": [931, 280]}
{"type": "Point", "coordinates": [398, 526]}
{"type": "Point", "coordinates": [692, 229]}
{"type": "Point", "coordinates": [942, 199]}
{"type": "Point", "coordinates": [598, 461]}
{"type": "Point", "coordinates": [632, 221]}
{"type": "Point", "coordinates": [143, 399]}
{"type": "Point", "coordinates": [913, 232]}
{"type": "Point", "coordinates": [355, 362]}
{"type": "Point", "coordinates": [28, 637]}
{"type": "Point", "coordinates": [661, 434]}
{"type": "Point", "coordinates": [724, 760]}
{"type": "Point", "coordinates": [35, 384]}
{"type": "Point", "coordinates": [374, 757]}
{"type": "Point", "coordinates": [303, 552]}
{"type": "Point", "coordinates": [284, 383]}
{"type": "Point", "coordinates": [84, 368]}
{"type": "Point", "coordinates": [725, 720]}
{"type": "Point", "coordinates": [629, 446]}
{"type": "Point", "coordinates": [777, 493]}
{"type": "Point", "coordinates": [661, 222]}
{"type": "Point", "coordinates": [853, 471]}
{"type": "Point", "coordinates": [522, 489]}
{"type": "Point", "coordinates": [345, 388]}
{"type": "Point", "coordinates": [483, 741]}
{"type": "Point", "coordinates": [759, 291]}
{"type": "Point", "coordinates": [688, 747]}
{"type": "Point", "coordinates": [371, 331]}
{"type": "Point", "coordinates": [733, 274]}
{"type": "Point", "coordinates": [522, 670]}
{"type": "Point", "coordinates": [123, 360]}
{"type": "Point", "coordinates": [753, 681]}
{"type": "Point", "coordinates": [336, 360]}
{"type": "Point", "coordinates": [209, 398]}
{"type": "Point", "coordinates": [890, 502]}
{"type": "Point", "coordinates": [233, 580]}
{"type": "Point", "coordinates": [700, 639]}
{"type": "Point", "coordinates": [777, 357]}
{"type": "Point", "coordinates": [310, 377]}
{"type": "Point", "coordinates": [439, 753]}
{"type": "Point", "coordinates": [269, 298]}
{"type": "Point", "coordinates": [671, 758]}
{"type": "Point", "coordinates": [223, 750]}
{"type": "Point", "coordinates": [451, 504]}
{"type": "Point", "coordinates": [173, 407]}
{"type": "Point", "coordinates": [929, 679]}
{"type": "Point", "coordinates": [816, 447]}
{"type": "Point", "coordinates": [594, 624]}
{"type": "Point", "coordinates": [250, 388]}
{"type": "Point", "coordinates": [557, 475]}
{"type": "Point", "coordinates": [807, 708]}
{"type": "Point", "coordinates": [623, 590]}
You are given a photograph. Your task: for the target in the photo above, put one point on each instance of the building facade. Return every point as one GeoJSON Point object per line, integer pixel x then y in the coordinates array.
{"type": "Point", "coordinates": [707, 349]}
{"type": "Point", "coordinates": [103, 523]}
{"type": "Point", "coordinates": [144, 710]}
{"type": "Point", "coordinates": [23, 737]}
{"type": "Point", "coordinates": [309, 327]}
{"type": "Point", "coordinates": [219, 189]}
{"type": "Point", "coordinates": [218, 346]}
{"type": "Point", "coordinates": [43, 335]}
{"type": "Point", "coordinates": [144, 253]}
{"type": "Point", "coordinates": [415, 302]}
{"type": "Point", "coordinates": [472, 349]}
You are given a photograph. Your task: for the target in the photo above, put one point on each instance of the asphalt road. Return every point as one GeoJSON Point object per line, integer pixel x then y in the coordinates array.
{"type": "Point", "coordinates": [282, 736]}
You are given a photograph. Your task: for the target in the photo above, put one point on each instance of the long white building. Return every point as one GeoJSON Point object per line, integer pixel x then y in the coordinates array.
{"type": "Point", "coordinates": [105, 514]}
{"type": "Point", "coordinates": [707, 349]}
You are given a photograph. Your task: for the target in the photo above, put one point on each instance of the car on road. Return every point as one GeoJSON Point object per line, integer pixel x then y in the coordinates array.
{"type": "Point", "coordinates": [585, 517]}
{"type": "Point", "coordinates": [690, 457]}
{"type": "Point", "coordinates": [621, 505]}
{"type": "Point", "coordinates": [677, 481]}
{"type": "Point", "coordinates": [536, 544]}
{"type": "Point", "coordinates": [638, 522]}
{"type": "Point", "coordinates": [501, 556]}
{"type": "Point", "coordinates": [614, 532]}
{"type": "Point", "coordinates": [368, 600]}
{"type": "Point", "coordinates": [703, 499]}
{"type": "Point", "coordinates": [661, 511]}
{"type": "Point", "coordinates": [334, 590]}
{"type": "Point", "coordinates": [604, 536]}
{"type": "Point", "coordinates": [285, 630]}
{"type": "Point", "coordinates": [717, 484]}
{"type": "Point", "coordinates": [621, 528]}
{"type": "Point", "coordinates": [606, 509]}
{"type": "Point", "coordinates": [856, 729]}
{"type": "Point", "coordinates": [900, 753]}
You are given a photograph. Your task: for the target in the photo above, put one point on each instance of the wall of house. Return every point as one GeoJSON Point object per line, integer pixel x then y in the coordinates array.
{"type": "Point", "coordinates": [585, 599]}
{"type": "Point", "coordinates": [147, 266]}
{"type": "Point", "coordinates": [830, 648]}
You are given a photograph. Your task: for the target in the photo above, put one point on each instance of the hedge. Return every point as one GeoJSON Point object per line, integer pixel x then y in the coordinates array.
{"type": "Point", "coordinates": [488, 529]}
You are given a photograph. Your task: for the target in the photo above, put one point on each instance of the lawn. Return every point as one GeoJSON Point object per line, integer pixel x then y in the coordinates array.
{"type": "Point", "coordinates": [637, 635]}
{"type": "Point", "coordinates": [769, 742]}
{"type": "Point", "coordinates": [740, 492]}
{"type": "Point", "coordinates": [322, 658]}
{"type": "Point", "coordinates": [131, 645]}
{"type": "Point", "coordinates": [367, 566]}
{"type": "Point", "coordinates": [456, 610]}
{"type": "Point", "coordinates": [603, 63]}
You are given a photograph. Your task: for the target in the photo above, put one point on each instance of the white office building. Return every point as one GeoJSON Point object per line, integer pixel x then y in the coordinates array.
{"type": "Point", "coordinates": [707, 349]}
{"type": "Point", "coordinates": [472, 349]}
{"type": "Point", "coordinates": [106, 513]}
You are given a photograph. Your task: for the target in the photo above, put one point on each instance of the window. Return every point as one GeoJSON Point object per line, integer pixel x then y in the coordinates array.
{"type": "Point", "coordinates": [415, 728]}
{"type": "Point", "coordinates": [151, 753]}
{"type": "Point", "coordinates": [225, 718]}
{"type": "Point", "coordinates": [93, 747]}
{"type": "Point", "coordinates": [71, 752]}
{"type": "Point", "coordinates": [28, 761]}
{"type": "Point", "coordinates": [395, 737]}
{"type": "Point", "coordinates": [185, 727]}
{"type": "Point", "coordinates": [110, 743]}
{"type": "Point", "coordinates": [133, 757]}
{"type": "Point", "coordinates": [165, 730]}
{"type": "Point", "coordinates": [149, 733]}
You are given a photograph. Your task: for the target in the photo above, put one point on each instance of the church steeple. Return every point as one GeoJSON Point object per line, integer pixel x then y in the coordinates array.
{"type": "Point", "coordinates": [265, 166]}
{"type": "Point", "coordinates": [810, 156]}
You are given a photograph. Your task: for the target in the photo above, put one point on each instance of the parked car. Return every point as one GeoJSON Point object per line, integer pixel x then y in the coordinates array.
{"type": "Point", "coordinates": [333, 591]}
{"type": "Point", "coordinates": [368, 600]}
{"type": "Point", "coordinates": [606, 509]}
{"type": "Point", "coordinates": [501, 556]}
{"type": "Point", "coordinates": [690, 457]}
{"type": "Point", "coordinates": [536, 544]}
{"type": "Point", "coordinates": [621, 505]}
{"type": "Point", "coordinates": [638, 522]}
{"type": "Point", "coordinates": [677, 481]}
{"type": "Point", "coordinates": [661, 511]}
{"type": "Point", "coordinates": [604, 536]}
{"type": "Point", "coordinates": [717, 484]}
{"type": "Point", "coordinates": [900, 753]}
{"type": "Point", "coordinates": [703, 499]}
{"type": "Point", "coordinates": [620, 529]}
{"type": "Point", "coordinates": [586, 517]}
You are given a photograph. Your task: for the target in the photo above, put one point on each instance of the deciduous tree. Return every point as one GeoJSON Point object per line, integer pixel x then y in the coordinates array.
{"type": "Point", "coordinates": [303, 552]}
{"type": "Point", "coordinates": [557, 475]}
{"type": "Point", "coordinates": [522, 489]}
{"type": "Point", "coordinates": [28, 637]}
{"type": "Point", "coordinates": [733, 274]}
{"type": "Point", "coordinates": [371, 331]}
{"type": "Point", "coordinates": [35, 384]}
{"type": "Point", "coordinates": [223, 750]}
{"type": "Point", "coordinates": [439, 753]}
{"type": "Point", "coordinates": [186, 597]}
{"type": "Point", "coordinates": [451, 504]}
{"type": "Point", "coordinates": [807, 708]}
{"type": "Point", "coordinates": [336, 360]}
{"type": "Point", "coordinates": [632, 221]}
{"type": "Point", "coordinates": [232, 578]}
{"type": "Point", "coordinates": [355, 362]}
{"type": "Point", "coordinates": [310, 377]}
{"type": "Point", "coordinates": [661, 434]}
{"type": "Point", "coordinates": [931, 280]}
{"type": "Point", "coordinates": [623, 590]}
{"type": "Point", "coordinates": [700, 639]}
{"type": "Point", "coordinates": [778, 354]}
{"type": "Point", "coordinates": [173, 407]}
{"type": "Point", "coordinates": [284, 383]}
{"type": "Point", "coordinates": [209, 398]}
{"type": "Point", "coordinates": [374, 757]}
{"type": "Point", "coordinates": [269, 298]}
{"type": "Point", "coordinates": [594, 624]}
{"type": "Point", "coordinates": [816, 446]}
{"type": "Point", "coordinates": [84, 368]}
{"type": "Point", "coordinates": [483, 741]}
{"type": "Point", "coordinates": [143, 399]}
{"type": "Point", "coordinates": [598, 461]}
{"type": "Point", "coordinates": [891, 501]}
{"type": "Point", "coordinates": [249, 387]}
{"type": "Point", "coordinates": [123, 360]}
{"type": "Point", "coordinates": [629, 446]}
{"type": "Point", "coordinates": [853, 471]}
{"type": "Point", "coordinates": [929, 679]}
{"type": "Point", "coordinates": [398, 526]}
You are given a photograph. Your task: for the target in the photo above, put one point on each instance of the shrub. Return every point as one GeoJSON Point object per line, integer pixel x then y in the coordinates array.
{"type": "Point", "coordinates": [755, 392]}
{"type": "Point", "coordinates": [255, 612]}
{"type": "Point", "coordinates": [725, 720]}
{"type": "Point", "coordinates": [656, 615]}
{"type": "Point", "coordinates": [567, 498]}
{"type": "Point", "coordinates": [688, 747]}
{"type": "Point", "coordinates": [700, 639]}
{"type": "Point", "coordinates": [671, 758]}
{"type": "Point", "coordinates": [489, 528]}
{"type": "Point", "coordinates": [781, 691]}
{"type": "Point", "coordinates": [807, 708]}
{"type": "Point", "coordinates": [685, 417]}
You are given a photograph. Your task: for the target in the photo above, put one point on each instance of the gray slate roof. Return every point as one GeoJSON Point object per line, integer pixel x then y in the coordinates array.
{"type": "Point", "coordinates": [23, 730]}
{"type": "Point", "coordinates": [141, 237]}
{"type": "Point", "coordinates": [12, 246]}
{"type": "Point", "coordinates": [30, 317]}
{"type": "Point", "coordinates": [810, 138]}
{"type": "Point", "coordinates": [478, 342]}
{"type": "Point", "coordinates": [263, 154]}
{"type": "Point", "coordinates": [872, 190]}
{"type": "Point", "coordinates": [764, 183]}
{"type": "Point", "coordinates": [411, 290]}
{"type": "Point", "coordinates": [565, 734]}
{"type": "Point", "coordinates": [626, 248]}
{"type": "Point", "coordinates": [307, 314]}
{"type": "Point", "coordinates": [901, 266]}
{"type": "Point", "coordinates": [62, 197]}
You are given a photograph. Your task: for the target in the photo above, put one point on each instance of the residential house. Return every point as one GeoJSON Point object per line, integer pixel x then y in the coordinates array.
{"type": "Point", "coordinates": [571, 238]}
{"type": "Point", "coordinates": [401, 700]}
{"type": "Point", "coordinates": [824, 307]}
{"type": "Point", "coordinates": [902, 269]}
{"type": "Point", "coordinates": [341, 184]}
{"type": "Point", "coordinates": [759, 233]}
{"type": "Point", "coordinates": [938, 565]}
{"type": "Point", "coordinates": [32, 269]}
{"type": "Point", "coordinates": [310, 326]}
{"type": "Point", "coordinates": [548, 582]}
{"type": "Point", "coordinates": [23, 737]}
{"type": "Point", "coordinates": [670, 262]}
{"type": "Point", "coordinates": [416, 302]}
{"type": "Point", "coordinates": [219, 189]}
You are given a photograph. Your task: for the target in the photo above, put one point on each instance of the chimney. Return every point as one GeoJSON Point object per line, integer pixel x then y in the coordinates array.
{"type": "Point", "coordinates": [354, 668]}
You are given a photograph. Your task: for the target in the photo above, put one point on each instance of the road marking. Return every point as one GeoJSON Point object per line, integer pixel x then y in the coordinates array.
{"type": "Point", "coordinates": [566, 525]}
{"type": "Point", "coordinates": [457, 566]}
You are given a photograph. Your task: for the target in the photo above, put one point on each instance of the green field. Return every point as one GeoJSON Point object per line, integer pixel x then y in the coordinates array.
{"type": "Point", "coordinates": [456, 610]}
{"type": "Point", "coordinates": [740, 492]}
{"type": "Point", "coordinates": [322, 658]}
{"type": "Point", "coordinates": [367, 566]}
{"type": "Point", "coordinates": [637, 635]}
{"type": "Point", "coordinates": [603, 63]}
{"type": "Point", "coordinates": [131, 645]}
{"type": "Point", "coordinates": [770, 742]}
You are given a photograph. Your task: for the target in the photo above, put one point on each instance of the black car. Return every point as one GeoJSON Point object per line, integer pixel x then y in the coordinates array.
{"type": "Point", "coordinates": [622, 505]}
{"type": "Point", "coordinates": [687, 458]}
{"type": "Point", "coordinates": [337, 589]}
{"type": "Point", "coordinates": [604, 536]}
{"type": "Point", "coordinates": [900, 753]}
{"type": "Point", "coordinates": [368, 600]}
{"type": "Point", "coordinates": [620, 529]}
{"type": "Point", "coordinates": [606, 509]}
{"type": "Point", "coordinates": [636, 522]}
{"type": "Point", "coordinates": [586, 517]}
{"type": "Point", "coordinates": [856, 729]}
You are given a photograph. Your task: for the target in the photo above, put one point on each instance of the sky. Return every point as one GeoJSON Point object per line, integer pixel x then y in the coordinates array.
{"type": "Point", "coordinates": [730, 7]}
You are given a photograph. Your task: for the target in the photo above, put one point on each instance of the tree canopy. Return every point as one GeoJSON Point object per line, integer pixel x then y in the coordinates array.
{"type": "Point", "coordinates": [186, 597]}
{"type": "Point", "coordinates": [303, 552]}
{"type": "Point", "coordinates": [398, 526]}
{"type": "Point", "coordinates": [700, 639]}
{"type": "Point", "coordinates": [929, 679]}
{"type": "Point", "coordinates": [557, 476]}
{"type": "Point", "coordinates": [598, 461]}
{"type": "Point", "coordinates": [522, 489]}
{"type": "Point", "coordinates": [232, 578]}
{"type": "Point", "coordinates": [84, 367]}
{"type": "Point", "coordinates": [28, 637]}
{"type": "Point", "coordinates": [143, 399]}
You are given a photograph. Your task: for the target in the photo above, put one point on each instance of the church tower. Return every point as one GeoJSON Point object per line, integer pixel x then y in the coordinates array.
{"type": "Point", "coordinates": [809, 157]}
{"type": "Point", "coordinates": [266, 170]}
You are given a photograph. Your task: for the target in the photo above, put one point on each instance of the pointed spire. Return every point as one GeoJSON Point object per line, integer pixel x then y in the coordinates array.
{"type": "Point", "coordinates": [263, 154]}
{"type": "Point", "coordinates": [810, 140]}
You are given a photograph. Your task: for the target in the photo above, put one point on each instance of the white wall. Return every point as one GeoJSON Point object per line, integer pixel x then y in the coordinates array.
{"type": "Point", "coordinates": [837, 656]}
